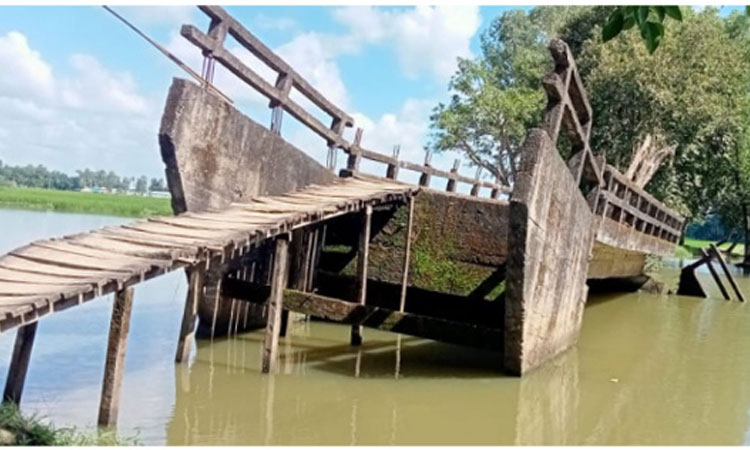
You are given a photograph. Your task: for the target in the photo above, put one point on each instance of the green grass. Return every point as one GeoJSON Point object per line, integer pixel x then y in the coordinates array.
{"type": "Point", "coordinates": [694, 245]}
{"type": "Point", "coordinates": [31, 430]}
{"type": "Point", "coordinates": [83, 202]}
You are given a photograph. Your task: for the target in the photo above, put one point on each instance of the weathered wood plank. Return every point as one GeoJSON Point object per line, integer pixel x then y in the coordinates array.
{"type": "Point", "coordinates": [115, 365]}
{"type": "Point", "coordinates": [728, 274]}
{"type": "Point", "coordinates": [715, 275]}
{"type": "Point", "coordinates": [363, 253]}
{"type": "Point", "coordinates": [390, 320]}
{"type": "Point", "coordinates": [407, 256]}
{"type": "Point", "coordinates": [275, 304]}
{"type": "Point", "coordinates": [196, 276]}
{"type": "Point", "coordinates": [19, 363]}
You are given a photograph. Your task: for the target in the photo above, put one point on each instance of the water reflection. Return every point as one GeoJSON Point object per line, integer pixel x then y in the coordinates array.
{"type": "Point", "coordinates": [647, 369]}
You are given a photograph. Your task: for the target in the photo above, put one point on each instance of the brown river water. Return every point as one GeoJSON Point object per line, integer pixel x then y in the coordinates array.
{"type": "Point", "coordinates": [648, 369]}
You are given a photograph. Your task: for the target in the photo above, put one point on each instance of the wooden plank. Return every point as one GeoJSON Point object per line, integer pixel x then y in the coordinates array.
{"type": "Point", "coordinates": [350, 313]}
{"type": "Point", "coordinates": [273, 324]}
{"type": "Point", "coordinates": [196, 275]}
{"type": "Point", "coordinates": [363, 253]}
{"type": "Point", "coordinates": [407, 255]}
{"type": "Point", "coordinates": [115, 365]}
{"type": "Point", "coordinates": [715, 276]}
{"type": "Point", "coordinates": [728, 274]}
{"type": "Point", "coordinates": [19, 363]}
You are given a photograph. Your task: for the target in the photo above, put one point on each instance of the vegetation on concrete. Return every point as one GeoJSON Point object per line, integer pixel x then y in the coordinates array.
{"type": "Point", "coordinates": [84, 202]}
{"type": "Point", "coordinates": [17, 429]}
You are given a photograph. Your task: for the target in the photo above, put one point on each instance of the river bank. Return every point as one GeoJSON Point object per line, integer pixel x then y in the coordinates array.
{"type": "Point", "coordinates": [83, 202]}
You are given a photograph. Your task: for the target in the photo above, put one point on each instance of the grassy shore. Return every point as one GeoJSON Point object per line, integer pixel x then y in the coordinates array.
{"type": "Point", "coordinates": [694, 246]}
{"type": "Point", "coordinates": [83, 202]}
{"type": "Point", "coordinates": [19, 429]}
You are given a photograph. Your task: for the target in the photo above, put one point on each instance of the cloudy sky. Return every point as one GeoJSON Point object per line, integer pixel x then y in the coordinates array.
{"type": "Point", "coordinates": [78, 89]}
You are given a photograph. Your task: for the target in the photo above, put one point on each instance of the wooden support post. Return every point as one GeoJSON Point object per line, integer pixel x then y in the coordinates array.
{"type": "Point", "coordinates": [115, 365]}
{"type": "Point", "coordinates": [407, 255]}
{"type": "Point", "coordinates": [19, 363]}
{"type": "Point", "coordinates": [196, 276]}
{"type": "Point", "coordinates": [362, 256]}
{"type": "Point", "coordinates": [273, 324]}
{"type": "Point", "coordinates": [724, 267]}
{"type": "Point", "coordinates": [715, 276]}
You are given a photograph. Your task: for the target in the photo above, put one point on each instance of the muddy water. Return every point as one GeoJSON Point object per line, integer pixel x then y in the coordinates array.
{"type": "Point", "coordinates": [648, 370]}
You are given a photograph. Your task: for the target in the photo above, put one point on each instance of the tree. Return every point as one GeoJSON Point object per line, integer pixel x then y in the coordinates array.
{"type": "Point", "coordinates": [688, 96]}
{"type": "Point", "coordinates": [157, 184]}
{"type": "Point", "coordinates": [141, 185]}
{"type": "Point", "coordinates": [498, 96]}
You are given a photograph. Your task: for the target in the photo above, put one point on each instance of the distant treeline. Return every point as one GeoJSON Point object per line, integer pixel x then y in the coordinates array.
{"type": "Point", "coordinates": [40, 177]}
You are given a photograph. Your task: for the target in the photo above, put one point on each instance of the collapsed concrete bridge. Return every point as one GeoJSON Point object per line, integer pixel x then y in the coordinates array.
{"type": "Point", "coordinates": [264, 230]}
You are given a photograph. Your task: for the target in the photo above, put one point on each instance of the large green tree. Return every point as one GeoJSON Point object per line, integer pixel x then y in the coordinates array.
{"type": "Point", "coordinates": [685, 101]}
{"type": "Point", "coordinates": [689, 99]}
{"type": "Point", "coordinates": [498, 96]}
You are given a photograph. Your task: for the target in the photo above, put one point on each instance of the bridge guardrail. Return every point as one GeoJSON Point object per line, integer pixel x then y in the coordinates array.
{"type": "Point", "coordinates": [622, 201]}
{"type": "Point", "coordinates": [212, 46]}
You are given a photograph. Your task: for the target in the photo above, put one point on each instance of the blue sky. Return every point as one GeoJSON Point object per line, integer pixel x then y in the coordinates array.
{"type": "Point", "coordinates": [78, 89]}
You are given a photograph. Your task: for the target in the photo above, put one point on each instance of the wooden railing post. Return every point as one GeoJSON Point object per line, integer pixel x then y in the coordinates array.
{"type": "Point", "coordinates": [362, 257]}
{"type": "Point", "coordinates": [355, 154]}
{"type": "Point", "coordinates": [273, 323]}
{"type": "Point", "coordinates": [392, 171]}
{"type": "Point", "coordinates": [475, 186]}
{"type": "Point", "coordinates": [114, 368]}
{"type": "Point", "coordinates": [451, 186]}
{"type": "Point", "coordinates": [424, 179]}
{"type": "Point", "coordinates": [19, 363]}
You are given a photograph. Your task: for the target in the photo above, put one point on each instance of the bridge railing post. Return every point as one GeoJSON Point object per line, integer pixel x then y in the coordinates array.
{"type": "Point", "coordinates": [451, 185]}
{"type": "Point", "coordinates": [392, 171]}
{"type": "Point", "coordinates": [424, 179]}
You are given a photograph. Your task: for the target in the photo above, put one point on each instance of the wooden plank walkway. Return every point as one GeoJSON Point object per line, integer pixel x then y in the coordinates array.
{"type": "Point", "coordinates": [51, 275]}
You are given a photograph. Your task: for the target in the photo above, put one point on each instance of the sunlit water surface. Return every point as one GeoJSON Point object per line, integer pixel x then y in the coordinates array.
{"type": "Point", "coordinates": [648, 369]}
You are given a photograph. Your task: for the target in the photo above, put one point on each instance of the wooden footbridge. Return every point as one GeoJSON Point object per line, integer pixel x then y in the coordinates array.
{"type": "Point", "coordinates": [253, 214]}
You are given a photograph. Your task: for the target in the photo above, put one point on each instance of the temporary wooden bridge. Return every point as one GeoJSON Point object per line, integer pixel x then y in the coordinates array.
{"type": "Point", "coordinates": [216, 158]}
{"type": "Point", "coordinates": [52, 275]}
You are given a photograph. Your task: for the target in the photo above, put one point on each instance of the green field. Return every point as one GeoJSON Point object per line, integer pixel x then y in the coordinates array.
{"type": "Point", "coordinates": [694, 245]}
{"type": "Point", "coordinates": [84, 202]}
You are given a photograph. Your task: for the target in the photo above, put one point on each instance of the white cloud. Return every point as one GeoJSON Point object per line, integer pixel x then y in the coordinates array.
{"type": "Point", "coordinates": [425, 38]}
{"type": "Point", "coordinates": [92, 118]}
{"type": "Point", "coordinates": [24, 74]}
{"type": "Point", "coordinates": [314, 55]}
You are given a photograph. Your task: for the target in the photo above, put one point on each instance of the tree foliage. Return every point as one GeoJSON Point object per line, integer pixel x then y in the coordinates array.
{"type": "Point", "coordinates": [691, 95]}
{"type": "Point", "coordinates": [40, 177]}
{"type": "Point", "coordinates": [497, 97]}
